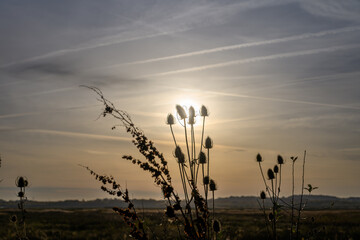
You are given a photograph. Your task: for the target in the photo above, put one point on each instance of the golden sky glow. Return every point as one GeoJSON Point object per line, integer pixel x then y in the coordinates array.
{"type": "Point", "coordinates": [278, 77]}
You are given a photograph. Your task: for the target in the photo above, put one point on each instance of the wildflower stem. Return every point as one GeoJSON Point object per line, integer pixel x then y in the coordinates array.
{"type": "Point", "coordinates": [263, 177]}
{"type": "Point", "coordinates": [173, 135]}
{"type": "Point", "coordinates": [188, 151]}
{"type": "Point", "coordinates": [301, 197]}
{"type": "Point", "coordinates": [292, 199]}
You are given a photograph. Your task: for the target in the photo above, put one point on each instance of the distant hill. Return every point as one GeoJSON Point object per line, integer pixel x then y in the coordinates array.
{"type": "Point", "coordinates": [243, 202]}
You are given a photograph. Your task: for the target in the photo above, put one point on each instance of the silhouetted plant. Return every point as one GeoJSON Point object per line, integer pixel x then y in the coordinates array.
{"type": "Point", "coordinates": [196, 222]}
{"type": "Point", "coordinates": [273, 191]}
{"type": "Point", "coordinates": [19, 224]}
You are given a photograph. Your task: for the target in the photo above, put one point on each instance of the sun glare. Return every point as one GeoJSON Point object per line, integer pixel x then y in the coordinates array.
{"type": "Point", "coordinates": [186, 104]}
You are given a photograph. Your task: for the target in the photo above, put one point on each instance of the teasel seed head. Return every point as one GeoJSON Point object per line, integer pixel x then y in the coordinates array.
{"type": "Point", "coordinates": [276, 169]}
{"type": "Point", "coordinates": [21, 194]}
{"type": "Point", "coordinates": [262, 195]}
{"type": "Point", "coordinates": [216, 226]}
{"type": "Point", "coordinates": [204, 111]}
{"type": "Point", "coordinates": [270, 174]}
{"type": "Point", "coordinates": [212, 185]}
{"type": "Point", "coordinates": [202, 158]}
{"type": "Point", "coordinates": [21, 182]}
{"type": "Point", "coordinates": [179, 155]}
{"type": "Point", "coordinates": [13, 218]}
{"type": "Point", "coordinates": [170, 120]}
{"type": "Point", "coordinates": [206, 180]}
{"type": "Point", "coordinates": [271, 216]}
{"type": "Point", "coordinates": [170, 212]}
{"type": "Point", "coordinates": [280, 160]}
{"type": "Point", "coordinates": [191, 115]}
{"type": "Point", "coordinates": [208, 143]}
{"type": "Point", "coordinates": [180, 110]}
{"type": "Point", "coordinates": [259, 158]}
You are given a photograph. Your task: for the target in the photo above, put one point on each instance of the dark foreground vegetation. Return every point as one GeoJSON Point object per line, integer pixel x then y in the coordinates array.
{"type": "Point", "coordinates": [236, 224]}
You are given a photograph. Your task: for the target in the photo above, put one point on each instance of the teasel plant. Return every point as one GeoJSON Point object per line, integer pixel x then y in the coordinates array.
{"type": "Point", "coordinates": [194, 165]}
{"type": "Point", "coordinates": [194, 222]}
{"type": "Point", "coordinates": [19, 223]}
{"type": "Point", "coordinates": [273, 185]}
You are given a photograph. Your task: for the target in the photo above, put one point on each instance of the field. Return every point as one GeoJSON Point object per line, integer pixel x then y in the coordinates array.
{"type": "Point", "coordinates": [236, 224]}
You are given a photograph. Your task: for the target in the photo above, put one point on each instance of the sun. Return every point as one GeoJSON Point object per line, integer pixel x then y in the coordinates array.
{"type": "Point", "coordinates": [186, 103]}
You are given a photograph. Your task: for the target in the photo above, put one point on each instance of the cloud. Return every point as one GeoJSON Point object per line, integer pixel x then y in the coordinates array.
{"type": "Point", "coordinates": [44, 68]}
{"type": "Point", "coordinates": [275, 99]}
{"type": "Point", "coordinates": [244, 45]}
{"type": "Point", "coordinates": [256, 59]}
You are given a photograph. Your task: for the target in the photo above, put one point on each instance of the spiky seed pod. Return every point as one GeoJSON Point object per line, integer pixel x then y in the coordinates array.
{"type": "Point", "coordinates": [262, 195]}
{"type": "Point", "coordinates": [177, 206]}
{"type": "Point", "coordinates": [170, 120]}
{"type": "Point", "coordinates": [216, 226]}
{"type": "Point", "coordinates": [212, 185]}
{"type": "Point", "coordinates": [271, 216]}
{"type": "Point", "coordinates": [208, 143]}
{"type": "Point", "coordinates": [204, 111]}
{"type": "Point", "coordinates": [270, 174]}
{"type": "Point", "coordinates": [180, 110]}
{"type": "Point", "coordinates": [20, 182]}
{"type": "Point", "coordinates": [206, 180]}
{"type": "Point", "coordinates": [276, 169]}
{"type": "Point", "coordinates": [191, 115]}
{"type": "Point", "coordinates": [259, 158]}
{"type": "Point", "coordinates": [202, 158]}
{"type": "Point", "coordinates": [21, 194]}
{"type": "Point", "coordinates": [280, 160]}
{"type": "Point", "coordinates": [179, 155]}
{"type": "Point", "coordinates": [170, 212]}
{"type": "Point", "coordinates": [13, 218]}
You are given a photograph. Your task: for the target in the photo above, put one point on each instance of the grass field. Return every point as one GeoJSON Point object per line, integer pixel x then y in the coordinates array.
{"type": "Point", "coordinates": [236, 224]}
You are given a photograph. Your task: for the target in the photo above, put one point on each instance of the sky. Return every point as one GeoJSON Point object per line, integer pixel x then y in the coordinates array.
{"type": "Point", "coordinates": [278, 77]}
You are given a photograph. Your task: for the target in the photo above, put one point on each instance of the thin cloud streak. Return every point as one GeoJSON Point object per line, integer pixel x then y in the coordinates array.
{"type": "Point", "coordinates": [244, 45]}
{"type": "Point", "coordinates": [256, 59]}
{"type": "Point", "coordinates": [63, 52]}
{"type": "Point", "coordinates": [269, 99]}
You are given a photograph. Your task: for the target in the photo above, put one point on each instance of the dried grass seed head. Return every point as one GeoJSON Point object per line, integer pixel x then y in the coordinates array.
{"type": "Point", "coordinates": [202, 158]}
{"type": "Point", "coordinates": [280, 160]}
{"type": "Point", "coordinates": [212, 185]}
{"type": "Point", "coordinates": [262, 195]}
{"type": "Point", "coordinates": [259, 158]}
{"type": "Point", "coordinates": [181, 112]}
{"type": "Point", "coordinates": [204, 111]}
{"type": "Point", "coordinates": [192, 115]}
{"type": "Point", "coordinates": [21, 182]}
{"type": "Point", "coordinates": [206, 180]}
{"type": "Point", "coordinates": [208, 143]}
{"type": "Point", "coordinates": [170, 120]}
{"type": "Point", "coordinates": [270, 174]}
{"type": "Point", "coordinates": [216, 226]}
{"type": "Point", "coordinates": [276, 169]}
{"type": "Point", "coordinates": [179, 155]}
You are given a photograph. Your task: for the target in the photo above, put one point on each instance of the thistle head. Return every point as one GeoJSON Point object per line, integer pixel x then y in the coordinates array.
{"type": "Point", "coordinates": [270, 174]}
{"type": "Point", "coordinates": [206, 180]}
{"type": "Point", "coordinates": [208, 143]}
{"type": "Point", "coordinates": [191, 115]}
{"type": "Point", "coordinates": [181, 112]}
{"type": "Point", "coordinates": [21, 182]}
{"type": "Point", "coordinates": [179, 155]}
{"type": "Point", "coordinates": [276, 169]}
{"type": "Point", "coordinates": [13, 219]}
{"type": "Point", "coordinates": [170, 120]}
{"type": "Point", "coordinates": [170, 212]}
{"type": "Point", "coordinates": [212, 185]}
{"type": "Point", "coordinates": [280, 160]}
{"type": "Point", "coordinates": [262, 195]}
{"type": "Point", "coordinates": [202, 158]}
{"type": "Point", "coordinates": [216, 226]}
{"type": "Point", "coordinates": [204, 111]}
{"type": "Point", "coordinates": [259, 158]}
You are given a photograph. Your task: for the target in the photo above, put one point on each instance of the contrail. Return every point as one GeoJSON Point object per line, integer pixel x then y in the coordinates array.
{"type": "Point", "coordinates": [256, 59]}
{"type": "Point", "coordinates": [269, 98]}
{"type": "Point", "coordinates": [78, 49]}
{"type": "Point", "coordinates": [245, 45]}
